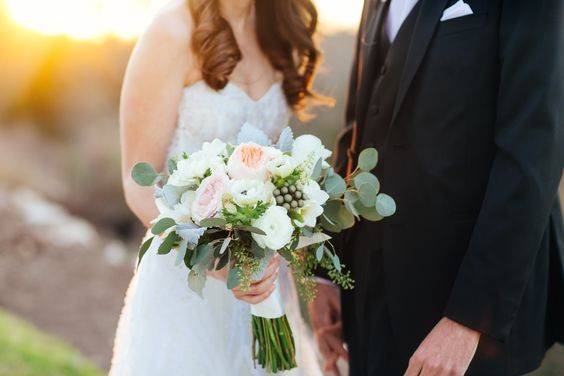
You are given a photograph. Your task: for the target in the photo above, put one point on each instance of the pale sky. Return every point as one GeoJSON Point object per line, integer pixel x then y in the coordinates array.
{"type": "Point", "coordinates": [93, 19]}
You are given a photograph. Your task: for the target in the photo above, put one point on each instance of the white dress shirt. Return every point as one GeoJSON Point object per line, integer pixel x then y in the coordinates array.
{"type": "Point", "coordinates": [398, 12]}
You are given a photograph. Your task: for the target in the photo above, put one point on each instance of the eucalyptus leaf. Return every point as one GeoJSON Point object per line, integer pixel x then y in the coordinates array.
{"type": "Point", "coordinates": [144, 248]}
{"type": "Point", "coordinates": [316, 238]}
{"type": "Point", "coordinates": [224, 245]}
{"type": "Point", "coordinates": [191, 233]}
{"type": "Point", "coordinates": [346, 218]}
{"type": "Point", "coordinates": [350, 199]}
{"type": "Point", "coordinates": [171, 165]}
{"type": "Point", "coordinates": [251, 229]}
{"type": "Point", "coordinates": [366, 178]}
{"type": "Point", "coordinates": [286, 140]}
{"type": "Point", "coordinates": [181, 252]}
{"type": "Point", "coordinates": [172, 194]}
{"type": "Point", "coordinates": [144, 174]}
{"type": "Point", "coordinates": [213, 222]}
{"type": "Point", "coordinates": [336, 262]}
{"type": "Point", "coordinates": [256, 250]}
{"type": "Point", "coordinates": [233, 278]}
{"type": "Point", "coordinates": [317, 169]}
{"type": "Point", "coordinates": [335, 186]}
{"type": "Point", "coordinates": [368, 159]}
{"type": "Point", "coordinates": [162, 225]}
{"type": "Point", "coordinates": [197, 281]}
{"type": "Point", "coordinates": [385, 205]}
{"type": "Point", "coordinates": [370, 214]}
{"type": "Point", "coordinates": [202, 255]}
{"type": "Point", "coordinates": [328, 225]}
{"type": "Point", "coordinates": [167, 244]}
{"type": "Point", "coordinates": [319, 252]}
{"type": "Point", "coordinates": [223, 261]}
{"type": "Point", "coordinates": [367, 194]}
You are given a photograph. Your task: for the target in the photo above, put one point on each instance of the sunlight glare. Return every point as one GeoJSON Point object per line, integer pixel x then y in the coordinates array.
{"type": "Point", "coordinates": [125, 19]}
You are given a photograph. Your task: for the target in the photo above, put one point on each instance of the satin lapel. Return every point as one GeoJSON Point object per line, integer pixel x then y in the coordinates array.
{"type": "Point", "coordinates": [369, 54]}
{"type": "Point", "coordinates": [428, 19]}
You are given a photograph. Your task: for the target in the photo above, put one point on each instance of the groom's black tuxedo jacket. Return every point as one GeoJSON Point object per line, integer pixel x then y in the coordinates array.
{"type": "Point", "coordinates": [467, 115]}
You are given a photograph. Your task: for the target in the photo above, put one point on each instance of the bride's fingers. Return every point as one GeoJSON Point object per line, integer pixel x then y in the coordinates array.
{"type": "Point", "coordinates": [263, 286]}
{"type": "Point", "coordinates": [254, 299]}
{"type": "Point", "coordinates": [272, 268]}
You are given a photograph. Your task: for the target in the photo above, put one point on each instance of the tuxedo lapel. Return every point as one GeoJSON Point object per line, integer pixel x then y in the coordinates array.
{"type": "Point", "coordinates": [429, 16]}
{"type": "Point", "coordinates": [368, 55]}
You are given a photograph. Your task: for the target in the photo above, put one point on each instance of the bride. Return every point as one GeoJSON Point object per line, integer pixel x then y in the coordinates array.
{"type": "Point", "coordinates": [202, 70]}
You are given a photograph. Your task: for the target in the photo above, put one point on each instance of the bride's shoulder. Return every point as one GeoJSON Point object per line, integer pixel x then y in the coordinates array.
{"type": "Point", "coordinates": [171, 26]}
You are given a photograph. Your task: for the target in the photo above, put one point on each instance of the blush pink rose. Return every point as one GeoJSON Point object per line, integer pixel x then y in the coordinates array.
{"type": "Point", "coordinates": [207, 202]}
{"type": "Point", "coordinates": [250, 161]}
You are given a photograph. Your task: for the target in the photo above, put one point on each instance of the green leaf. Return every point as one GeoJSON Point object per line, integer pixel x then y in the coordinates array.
{"type": "Point", "coordinates": [350, 199]}
{"type": "Point", "coordinates": [213, 222]}
{"type": "Point", "coordinates": [171, 165]}
{"type": "Point", "coordinates": [330, 218]}
{"type": "Point", "coordinates": [346, 218]}
{"type": "Point", "coordinates": [167, 244]}
{"type": "Point", "coordinates": [385, 205]}
{"type": "Point", "coordinates": [233, 278]}
{"type": "Point", "coordinates": [223, 261]}
{"type": "Point", "coordinates": [230, 149]}
{"type": "Point", "coordinates": [367, 194]}
{"type": "Point", "coordinates": [319, 252]}
{"type": "Point", "coordinates": [286, 254]}
{"type": "Point", "coordinates": [316, 238]}
{"type": "Point", "coordinates": [202, 254]}
{"type": "Point", "coordinates": [336, 262]}
{"type": "Point", "coordinates": [144, 174]}
{"type": "Point", "coordinates": [256, 250]}
{"type": "Point", "coordinates": [368, 159]}
{"type": "Point", "coordinates": [224, 245]}
{"type": "Point", "coordinates": [286, 140]}
{"type": "Point", "coordinates": [162, 225]}
{"type": "Point", "coordinates": [370, 214]}
{"type": "Point", "coordinates": [181, 252]}
{"type": "Point", "coordinates": [144, 248]}
{"type": "Point", "coordinates": [197, 281]}
{"type": "Point", "coordinates": [317, 169]}
{"type": "Point", "coordinates": [250, 229]}
{"type": "Point", "coordinates": [366, 178]}
{"type": "Point", "coordinates": [335, 186]}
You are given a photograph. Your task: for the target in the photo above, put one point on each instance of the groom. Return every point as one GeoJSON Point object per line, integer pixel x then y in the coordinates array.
{"type": "Point", "coordinates": [463, 99]}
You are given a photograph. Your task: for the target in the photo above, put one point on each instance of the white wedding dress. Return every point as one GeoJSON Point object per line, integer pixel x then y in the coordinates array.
{"type": "Point", "coordinates": [167, 329]}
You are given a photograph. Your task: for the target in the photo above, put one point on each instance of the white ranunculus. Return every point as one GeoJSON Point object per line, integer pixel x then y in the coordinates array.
{"type": "Point", "coordinates": [313, 192]}
{"type": "Point", "coordinates": [308, 149]}
{"type": "Point", "coordinates": [250, 192]}
{"type": "Point", "coordinates": [309, 213]}
{"type": "Point", "coordinates": [282, 166]}
{"type": "Point", "coordinates": [277, 226]}
{"type": "Point", "coordinates": [195, 167]}
{"type": "Point", "coordinates": [215, 148]}
{"type": "Point", "coordinates": [180, 212]}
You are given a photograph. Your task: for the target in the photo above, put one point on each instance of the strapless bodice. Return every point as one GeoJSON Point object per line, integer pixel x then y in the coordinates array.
{"type": "Point", "coordinates": [205, 114]}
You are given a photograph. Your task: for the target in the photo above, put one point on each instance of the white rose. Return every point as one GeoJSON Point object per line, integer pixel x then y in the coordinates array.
{"type": "Point", "coordinates": [282, 166]}
{"type": "Point", "coordinates": [181, 212]}
{"type": "Point", "coordinates": [313, 192]}
{"type": "Point", "coordinates": [309, 213]}
{"type": "Point", "coordinates": [308, 149]}
{"type": "Point", "coordinates": [195, 167]}
{"type": "Point", "coordinates": [277, 226]}
{"type": "Point", "coordinates": [250, 192]}
{"type": "Point", "coordinates": [215, 148]}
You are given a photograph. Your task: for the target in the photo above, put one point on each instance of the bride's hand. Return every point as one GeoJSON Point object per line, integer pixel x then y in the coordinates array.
{"type": "Point", "coordinates": [260, 290]}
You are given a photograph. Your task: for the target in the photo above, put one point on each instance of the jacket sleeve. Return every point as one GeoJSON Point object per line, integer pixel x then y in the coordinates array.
{"type": "Point", "coordinates": [525, 173]}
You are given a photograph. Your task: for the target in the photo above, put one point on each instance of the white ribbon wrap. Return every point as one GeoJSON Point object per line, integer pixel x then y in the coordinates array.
{"type": "Point", "coordinates": [273, 306]}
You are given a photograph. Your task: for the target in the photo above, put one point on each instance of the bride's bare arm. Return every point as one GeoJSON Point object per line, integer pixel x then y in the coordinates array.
{"type": "Point", "coordinates": [155, 77]}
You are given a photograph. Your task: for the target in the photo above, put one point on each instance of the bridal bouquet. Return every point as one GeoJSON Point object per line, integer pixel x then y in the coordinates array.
{"type": "Point", "coordinates": [235, 205]}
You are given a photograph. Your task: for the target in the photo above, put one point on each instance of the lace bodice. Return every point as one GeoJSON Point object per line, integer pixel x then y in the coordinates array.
{"type": "Point", "coordinates": [205, 114]}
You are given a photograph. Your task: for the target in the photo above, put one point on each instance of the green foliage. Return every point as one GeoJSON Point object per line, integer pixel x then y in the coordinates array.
{"type": "Point", "coordinates": [24, 351]}
{"type": "Point", "coordinates": [368, 159]}
{"type": "Point", "coordinates": [213, 222]}
{"type": "Point", "coordinates": [245, 215]}
{"type": "Point", "coordinates": [162, 225]}
{"type": "Point", "coordinates": [144, 248]}
{"type": "Point", "coordinates": [144, 174]}
{"type": "Point", "coordinates": [168, 243]}
{"type": "Point", "coordinates": [335, 186]}
{"type": "Point", "coordinates": [197, 281]}
{"type": "Point", "coordinates": [289, 180]}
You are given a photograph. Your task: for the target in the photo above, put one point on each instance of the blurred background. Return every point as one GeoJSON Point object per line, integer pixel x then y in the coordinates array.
{"type": "Point", "coordinates": [67, 239]}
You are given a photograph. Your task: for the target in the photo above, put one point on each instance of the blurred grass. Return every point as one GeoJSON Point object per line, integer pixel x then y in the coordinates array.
{"type": "Point", "coordinates": [24, 351]}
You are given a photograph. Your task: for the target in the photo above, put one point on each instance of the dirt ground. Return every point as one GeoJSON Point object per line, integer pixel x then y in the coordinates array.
{"type": "Point", "coordinates": [72, 291]}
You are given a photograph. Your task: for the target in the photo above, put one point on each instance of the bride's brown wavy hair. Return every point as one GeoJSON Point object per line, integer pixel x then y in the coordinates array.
{"type": "Point", "coordinates": [285, 31]}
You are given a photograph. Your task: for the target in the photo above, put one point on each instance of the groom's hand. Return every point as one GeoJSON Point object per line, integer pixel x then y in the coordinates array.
{"type": "Point", "coordinates": [325, 312]}
{"type": "Point", "coordinates": [447, 350]}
